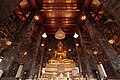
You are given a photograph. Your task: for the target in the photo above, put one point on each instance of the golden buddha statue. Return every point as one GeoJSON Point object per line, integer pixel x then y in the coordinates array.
{"type": "Point", "coordinates": [59, 67]}
{"type": "Point", "coordinates": [59, 54]}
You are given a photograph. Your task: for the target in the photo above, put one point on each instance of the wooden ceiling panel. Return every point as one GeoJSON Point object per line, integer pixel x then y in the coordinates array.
{"type": "Point", "coordinates": [64, 13]}
{"type": "Point", "coordinates": [60, 13]}
{"type": "Point", "coordinates": [54, 27]}
{"type": "Point", "coordinates": [60, 1]}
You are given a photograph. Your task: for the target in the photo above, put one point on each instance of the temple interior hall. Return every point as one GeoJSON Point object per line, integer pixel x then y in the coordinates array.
{"type": "Point", "coordinates": [59, 39]}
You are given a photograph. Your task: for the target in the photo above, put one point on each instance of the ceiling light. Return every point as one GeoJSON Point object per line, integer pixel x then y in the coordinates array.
{"type": "Point", "coordinates": [69, 50]}
{"type": "Point", "coordinates": [60, 34]}
{"type": "Point", "coordinates": [111, 41]}
{"type": "Point", "coordinates": [49, 49]}
{"type": "Point", "coordinates": [44, 35]}
{"type": "Point", "coordinates": [83, 17]}
{"type": "Point", "coordinates": [95, 52]}
{"type": "Point", "coordinates": [75, 35]}
{"type": "Point", "coordinates": [8, 42]}
{"type": "Point", "coordinates": [25, 53]}
{"type": "Point", "coordinates": [42, 44]}
{"type": "Point", "coordinates": [36, 17]}
{"type": "Point", "coordinates": [77, 44]}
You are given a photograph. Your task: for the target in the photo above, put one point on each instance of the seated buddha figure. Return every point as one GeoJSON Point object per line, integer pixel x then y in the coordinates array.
{"type": "Point", "coordinates": [59, 67]}
{"type": "Point", "coordinates": [60, 55]}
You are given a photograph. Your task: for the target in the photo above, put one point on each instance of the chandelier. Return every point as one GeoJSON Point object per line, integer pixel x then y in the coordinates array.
{"type": "Point", "coordinates": [60, 34]}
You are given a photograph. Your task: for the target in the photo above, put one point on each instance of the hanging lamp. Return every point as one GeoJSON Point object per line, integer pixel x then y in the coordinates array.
{"type": "Point", "coordinates": [44, 35]}
{"type": "Point", "coordinates": [60, 34]}
{"type": "Point", "coordinates": [76, 35]}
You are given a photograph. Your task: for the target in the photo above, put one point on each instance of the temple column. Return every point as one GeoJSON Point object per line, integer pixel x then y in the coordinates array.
{"type": "Point", "coordinates": [90, 71]}
{"type": "Point", "coordinates": [41, 60]}
{"type": "Point", "coordinates": [78, 50]}
{"type": "Point", "coordinates": [86, 70]}
{"type": "Point", "coordinates": [92, 61]}
{"type": "Point", "coordinates": [35, 53]}
{"type": "Point", "coordinates": [10, 54]}
{"type": "Point", "coordinates": [108, 49]}
{"type": "Point", "coordinates": [7, 7]}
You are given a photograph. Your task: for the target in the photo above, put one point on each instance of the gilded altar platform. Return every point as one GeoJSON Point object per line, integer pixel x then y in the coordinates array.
{"type": "Point", "coordinates": [60, 67]}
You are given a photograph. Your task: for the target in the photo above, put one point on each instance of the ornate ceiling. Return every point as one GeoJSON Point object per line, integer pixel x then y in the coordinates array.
{"type": "Point", "coordinates": [59, 13]}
